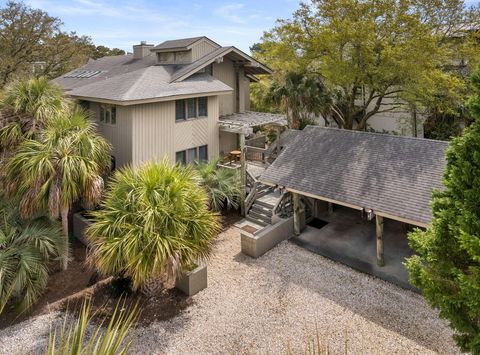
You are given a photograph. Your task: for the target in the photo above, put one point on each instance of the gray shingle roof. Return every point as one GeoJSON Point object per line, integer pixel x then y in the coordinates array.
{"type": "Point", "coordinates": [392, 175]}
{"type": "Point", "coordinates": [109, 67]}
{"type": "Point", "coordinates": [149, 83]}
{"type": "Point", "coordinates": [177, 43]}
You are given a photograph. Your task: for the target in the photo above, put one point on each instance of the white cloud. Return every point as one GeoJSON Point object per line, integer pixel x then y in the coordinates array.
{"type": "Point", "coordinates": [233, 13]}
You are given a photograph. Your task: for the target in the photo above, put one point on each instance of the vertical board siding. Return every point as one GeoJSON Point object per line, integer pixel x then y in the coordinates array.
{"type": "Point", "coordinates": [153, 131]}
{"type": "Point", "coordinates": [225, 72]}
{"type": "Point", "coordinates": [202, 48]}
{"type": "Point", "coordinates": [157, 135]}
{"type": "Point", "coordinates": [119, 135]}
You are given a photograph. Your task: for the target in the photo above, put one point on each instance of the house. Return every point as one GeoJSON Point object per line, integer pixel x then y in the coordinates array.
{"type": "Point", "coordinates": [355, 195]}
{"type": "Point", "coordinates": [186, 99]}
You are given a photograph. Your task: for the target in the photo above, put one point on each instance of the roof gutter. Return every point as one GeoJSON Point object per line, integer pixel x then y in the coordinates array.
{"type": "Point", "coordinates": [151, 100]}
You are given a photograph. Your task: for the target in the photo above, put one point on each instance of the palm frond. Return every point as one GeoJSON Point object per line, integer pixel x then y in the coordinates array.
{"type": "Point", "coordinates": [154, 221]}
{"type": "Point", "coordinates": [74, 339]}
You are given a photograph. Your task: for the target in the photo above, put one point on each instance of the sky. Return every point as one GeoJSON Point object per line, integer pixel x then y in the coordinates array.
{"type": "Point", "coordinates": [124, 23]}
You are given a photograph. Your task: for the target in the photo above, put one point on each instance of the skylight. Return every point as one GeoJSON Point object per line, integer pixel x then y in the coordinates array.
{"type": "Point", "coordinates": [83, 73]}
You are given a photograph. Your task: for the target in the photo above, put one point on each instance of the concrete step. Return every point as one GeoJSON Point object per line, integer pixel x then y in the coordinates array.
{"type": "Point", "coordinates": [261, 209]}
{"type": "Point", "coordinates": [260, 216]}
{"type": "Point", "coordinates": [257, 221]}
{"type": "Point", "coordinates": [264, 204]}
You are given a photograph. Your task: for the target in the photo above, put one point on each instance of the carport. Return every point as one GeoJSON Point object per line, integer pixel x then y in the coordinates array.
{"type": "Point", "coordinates": [355, 194]}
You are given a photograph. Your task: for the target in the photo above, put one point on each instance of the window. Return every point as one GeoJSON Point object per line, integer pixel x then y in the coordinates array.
{"type": "Point", "coordinates": [180, 110]}
{"type": "Point", "coordinates": [108, 114]}
{"type": "Point", "coordinates": [181, 157]}
{"type": "Point", "coordinates": [202, 106]}
{"type": "Point", "coordinates": [203, 153]}
{"type": "Point", "coordinates": [192, 155]}
{"type": "Point", "coordinates": [191, 108]}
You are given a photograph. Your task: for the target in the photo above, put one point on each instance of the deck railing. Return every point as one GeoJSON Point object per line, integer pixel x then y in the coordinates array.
{"type": "Point", "coordinates": [255, 154]}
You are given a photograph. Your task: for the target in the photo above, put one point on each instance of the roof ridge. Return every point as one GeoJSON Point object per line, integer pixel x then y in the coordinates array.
{"type": "Point", "coordinates": [136, 83]}
{"type": "Point", "coordinates": [377, 134]}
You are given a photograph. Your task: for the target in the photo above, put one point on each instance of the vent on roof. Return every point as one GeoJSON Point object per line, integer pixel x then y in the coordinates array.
{"type": "Point", "coordinates": [83, 74]}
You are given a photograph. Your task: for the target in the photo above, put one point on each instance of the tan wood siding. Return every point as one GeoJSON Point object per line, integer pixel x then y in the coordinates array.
{"type": "Point", "coordinates": [202, 48]}
{"type": "Point", "coordinates": [119, 135]}
{"type": "Point", "coordinates": [226, 73]}
{"type": "Point", "coordinates": [157, 135]}
{"type": "Point", "coordinates": [228, 142]}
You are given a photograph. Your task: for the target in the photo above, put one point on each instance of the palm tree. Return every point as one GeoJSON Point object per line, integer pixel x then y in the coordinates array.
{"type": "Point", "coordinates": [301, 96]}
{"type": "Point", "coordinates": [25, 107]}
{"type": "Point", "coordinates": [63, 165]}
{"type": "Point", "coordinates": [155, 222]}
{"type": "Point", "coordinates": [222, 185]}
{"type": "Point", "coordinates": [26, 248]}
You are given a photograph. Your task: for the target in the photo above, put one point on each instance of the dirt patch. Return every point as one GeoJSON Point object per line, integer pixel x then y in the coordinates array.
{"type": "Point", "coordinates": [167, 304]}
{"type": "Point", "coordinates": [249, 229]}
{"type": "Point", "coordinates": [229, 218]}
{"type": "Point", "coordinates": [61, 284]}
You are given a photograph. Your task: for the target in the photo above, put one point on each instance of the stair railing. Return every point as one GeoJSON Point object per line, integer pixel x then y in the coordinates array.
{"type": "Point", "coordinates": [252, 182]}
{"type": "Point", "coordinates": [280, 207]}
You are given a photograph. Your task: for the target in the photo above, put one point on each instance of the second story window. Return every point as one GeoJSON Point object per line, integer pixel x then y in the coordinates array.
{"type": "Point", "coordinates": [108, 114]}
{"type": "Point", "coordinates": [191, 108]}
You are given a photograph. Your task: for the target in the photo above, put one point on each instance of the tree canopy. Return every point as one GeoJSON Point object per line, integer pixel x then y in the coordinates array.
{"type": "Point", "coordinates": [447, 265]}
{"type": "Point", "coordinates": [377, 56]}
{"type": "Point", "coordinates": [32, 43]}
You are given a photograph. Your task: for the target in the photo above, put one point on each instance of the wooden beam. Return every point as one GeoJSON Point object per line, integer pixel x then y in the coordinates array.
{"type": "Point", "coordinates": [379, 232]}
{"type": "Point", "coordinates": [296, 213]}
{"type": "Point", "coordinates": [243, 175]}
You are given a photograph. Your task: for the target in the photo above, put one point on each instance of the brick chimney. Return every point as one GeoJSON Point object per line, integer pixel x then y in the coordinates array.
{"type": "Point", "coordinates": [141, 50]}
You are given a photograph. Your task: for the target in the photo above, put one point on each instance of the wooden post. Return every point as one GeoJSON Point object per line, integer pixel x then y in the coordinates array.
{"type": "Point", "coordinates": [243, 175]}
{"type": "Point", "coordinates": [379, 229]}
{"type": "Point", "coordinates": [330, 208]}
{"type": "Point", "coordinates": [296, 213]}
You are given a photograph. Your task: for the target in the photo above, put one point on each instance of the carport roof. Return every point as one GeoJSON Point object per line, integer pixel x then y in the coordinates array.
{"type": "Point", "coordinates": [392, 175]}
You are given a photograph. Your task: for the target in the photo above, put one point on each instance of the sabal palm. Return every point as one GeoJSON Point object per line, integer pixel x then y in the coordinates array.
{"type": "Point", "coordinates": [222, 185]}
{"type": "Point", "coordinates": [25, 107]}
{"type": "Point", "coordinates": [155, 222]}
{"type": "Point", "coordinates": [26, 248]}
{"type": "Point", "coordinates": [63, 165]}
{"type": "Point", "coordinates": [301, 95]}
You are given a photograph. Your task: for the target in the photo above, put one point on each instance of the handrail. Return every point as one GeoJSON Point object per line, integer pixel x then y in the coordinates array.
{"type": "Point", "coordinates": [284, 199]}
{"type": "Point", "coordinates": [252, 195]}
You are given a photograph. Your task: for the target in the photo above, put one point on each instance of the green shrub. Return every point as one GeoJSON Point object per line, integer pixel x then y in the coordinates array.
{"type": "Point", "coordinates": [154, 222]}
{"type": "Point", "coordinates": [74, 339]}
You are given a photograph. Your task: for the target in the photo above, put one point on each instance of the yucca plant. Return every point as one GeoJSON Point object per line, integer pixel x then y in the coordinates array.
{"type": "Point", "coordinates": [154, 223]}
{"type": "Point", "coordinates": [26, 248]}
{"type": "Point", "coordinates": [74, 339]}
{"type": "Point", "coordinates": [63, 165]}
{"type": "Point", "coordinates": [25, 107]}
{"type": "Point", "coordinates": [222, 185]}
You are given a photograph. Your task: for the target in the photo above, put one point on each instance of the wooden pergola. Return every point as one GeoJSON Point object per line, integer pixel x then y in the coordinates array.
{"type": "Point", "coordinates": [242, 124]}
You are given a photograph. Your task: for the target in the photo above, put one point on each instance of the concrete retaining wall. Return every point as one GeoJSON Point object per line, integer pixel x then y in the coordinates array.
{"type": "Point", "coordinates": [255, 245]}
{"type": "Point", "coordinates": [80, 224]}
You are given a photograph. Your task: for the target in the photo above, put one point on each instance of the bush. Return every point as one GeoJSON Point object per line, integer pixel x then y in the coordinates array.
{"type": "Point", "coordinates": [26, 248]}
{"type": "Point", "coordinates": [154, 223]}
{"type": "Point", "coordinates": [75, 339]}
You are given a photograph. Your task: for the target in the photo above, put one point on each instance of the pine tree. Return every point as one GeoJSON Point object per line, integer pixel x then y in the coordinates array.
{"type": "Point", "coordinates": [447, 265]}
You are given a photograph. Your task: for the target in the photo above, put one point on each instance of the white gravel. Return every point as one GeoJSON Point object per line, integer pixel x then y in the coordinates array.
{"type": "Point", "coordinates": [261, 305]}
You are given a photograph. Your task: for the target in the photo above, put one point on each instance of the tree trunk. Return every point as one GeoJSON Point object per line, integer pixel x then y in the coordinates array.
{"type": "Point", "coordinates": [64, 257]}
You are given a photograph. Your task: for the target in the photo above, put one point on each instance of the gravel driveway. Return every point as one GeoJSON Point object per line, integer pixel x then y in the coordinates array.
{"type": "Point", "coordinates": [261, 305]}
